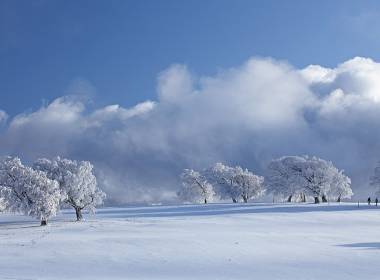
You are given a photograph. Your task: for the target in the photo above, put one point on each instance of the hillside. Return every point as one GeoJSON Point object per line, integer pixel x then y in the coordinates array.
{"type": "Point", "coordinates": [216, 241]}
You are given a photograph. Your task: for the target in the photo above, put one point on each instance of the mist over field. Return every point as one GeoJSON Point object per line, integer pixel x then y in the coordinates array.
{"type": "Point", "coordinates": [245, 115]}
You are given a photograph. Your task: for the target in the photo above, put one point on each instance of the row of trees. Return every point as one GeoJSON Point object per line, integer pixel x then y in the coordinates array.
{"type": "Point", "coordinates": [291, 178]}
{"type": "Point", "coordinates": [297, 177]}
{"type": "Point", "coordinates": [40, 190]}
{"type": "Point", "coordinates": [220, 180]}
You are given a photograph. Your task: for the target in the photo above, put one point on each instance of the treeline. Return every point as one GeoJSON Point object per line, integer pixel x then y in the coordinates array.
{"type": "Point", "coordinates": [40, 190]}
{"type": "Point", "coordinates": [290, 178]}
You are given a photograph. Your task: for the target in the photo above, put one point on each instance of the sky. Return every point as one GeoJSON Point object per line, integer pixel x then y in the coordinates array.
{"type": "Point", "coordinates": [144, 89]}
{"type": "Point", "coordinates": [118, 47]}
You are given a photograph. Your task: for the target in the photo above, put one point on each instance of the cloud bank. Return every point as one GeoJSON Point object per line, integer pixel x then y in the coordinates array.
{"type": "Point", "coordinates": [245, 115]}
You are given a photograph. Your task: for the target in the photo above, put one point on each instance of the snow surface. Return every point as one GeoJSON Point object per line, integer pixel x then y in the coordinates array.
{"type": "Point", "coordinates": [215, 241]}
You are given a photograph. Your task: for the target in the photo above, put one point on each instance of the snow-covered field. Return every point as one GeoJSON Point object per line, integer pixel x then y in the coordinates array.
{"type": "Point", "coordinates": [216, 241]}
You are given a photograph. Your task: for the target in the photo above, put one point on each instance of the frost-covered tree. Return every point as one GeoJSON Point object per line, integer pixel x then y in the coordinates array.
{"type": "Point", "coordinates": [340, 186]}
{"type": "Point", "coordinates": [235, 183]}
{"type": "Point", "coordinates": [248, 184]}
{"type": "Point", "coordinates": [307, 175]}
{"type": "Point", "coordinates": [195, 187]}
{"type": "Point", "coordinates": [76, 181]}
{"type": "Point", "coordinates": [281, 178]}
{"type": "Point", "coordinates": [3, 203]}
{"type": "Point", "coordinates": [316, 176]}
{"type": "Point", "coordinates": [28, 191]}
{"type": "Point", "coordinates": [222, 176]}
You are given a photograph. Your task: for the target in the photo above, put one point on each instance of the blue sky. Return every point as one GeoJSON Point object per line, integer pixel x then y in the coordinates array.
{"type": "Point", "coordinates": [117, 48]}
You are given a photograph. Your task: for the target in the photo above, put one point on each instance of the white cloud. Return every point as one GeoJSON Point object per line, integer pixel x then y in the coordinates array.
{"type": "Point", "coordinates": [318, 74]}
{"type": "Point", "coordinates": [61, 111]}
{"type": "Point", "coordinates": [174, 83]}
{"type": "Point", "coordinates": [245, 115]}
{"type": "Point", "coordinates": [3, 117]}
{"type": "Point", "coordinates": [116, 112]}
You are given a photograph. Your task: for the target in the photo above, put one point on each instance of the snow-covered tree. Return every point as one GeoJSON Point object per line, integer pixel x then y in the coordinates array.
{"type": "Point", "coordinates": [222, 176]}
{"type": "Point", "coordinates": [281, 178]}
{"type": "Point", "coordinates": [249, 185]}
{"type": "Point", "coordinates": [28, 191]}
{"type": "Point", "coordinates": [235, 183]}
{"type": "Point", "coordinates": [306, 175]}
{"type": "Point", "coordinates": [340, 186]}
{"type": "Point", "coordinates": [76, 181]}
{"type": "Point", "coordinates": [195, 187]}
{"type": "Point", "coordinates": [317, 175]}
{"type": "Point", "coordinates": [3, 203]}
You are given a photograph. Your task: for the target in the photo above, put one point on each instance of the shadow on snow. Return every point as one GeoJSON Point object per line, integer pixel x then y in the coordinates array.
{"type": "Point", "coordinates": [366, 245]}
{"type": "Point", "coordinates": [212, 209]}
{"type": "Point", "coordinates": [221, 209]}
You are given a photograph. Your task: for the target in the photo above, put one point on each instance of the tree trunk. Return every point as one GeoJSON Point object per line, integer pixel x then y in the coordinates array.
{"type": "Point", "coordinates": [316, 200]}
{"type": "Point", "coordinates": [338, 200]}
{"type": "Point", "coordinates": [290, 198]}
{"type": "Point", "coordinates": [205, 201]}
{"type": "Point", "coordinates": [324, 199]}
{"type": "Point", "coordinates": [78, 212]}
{"type": "Point", "coordinates": [234, 200]}
{"type": "Point", "coordinates": [43, 222]}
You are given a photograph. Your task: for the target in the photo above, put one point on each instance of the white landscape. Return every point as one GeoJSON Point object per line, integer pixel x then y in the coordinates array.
{"type": "Point", "coordinates": [213, 241]}
{"type": "Point", "coordinates": [202, 140]}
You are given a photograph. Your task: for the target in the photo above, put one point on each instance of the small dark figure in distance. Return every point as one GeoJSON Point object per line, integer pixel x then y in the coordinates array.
{"type": "Point", "coordinates": [376, 201]}
{"type": "Point", "coordinates": [369, 200]}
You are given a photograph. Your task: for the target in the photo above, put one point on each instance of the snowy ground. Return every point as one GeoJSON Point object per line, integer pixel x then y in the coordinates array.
{"type": "Point", "coordinates": [219, 241]}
